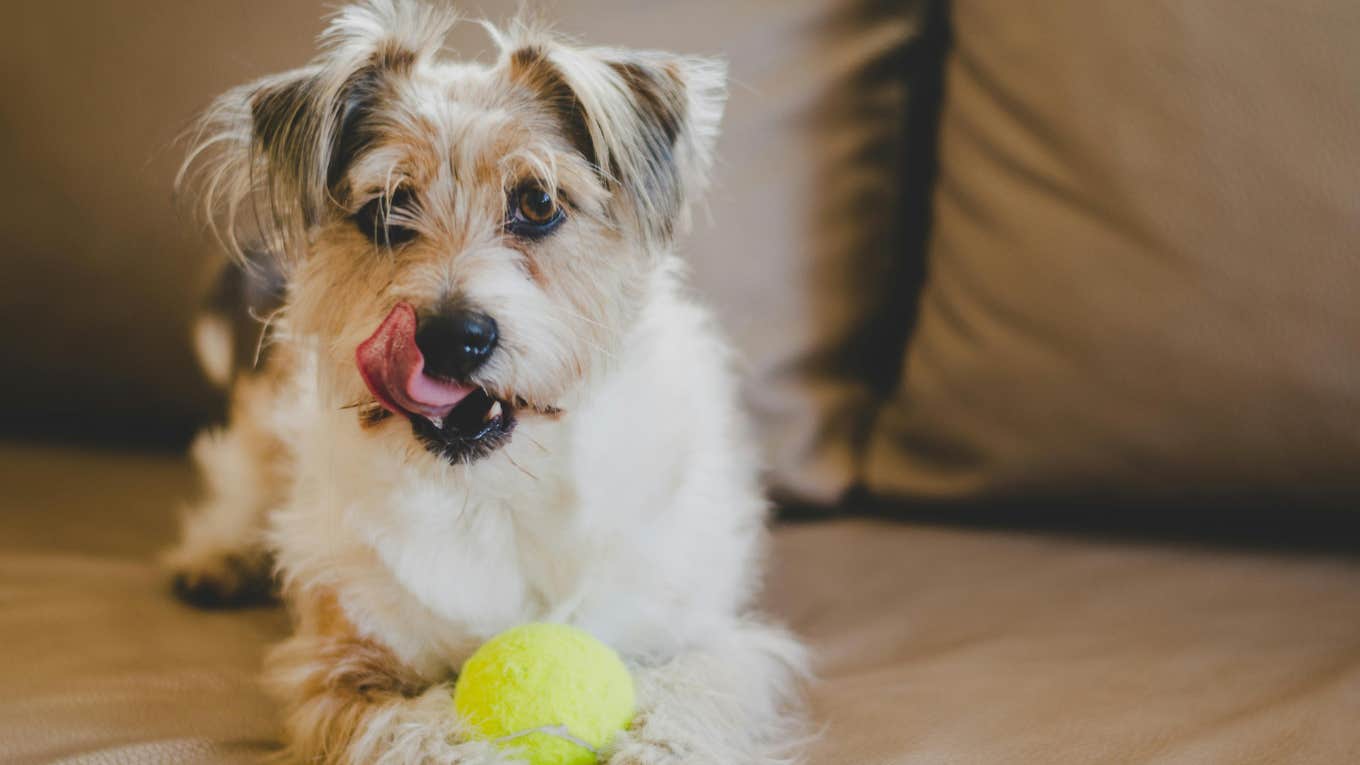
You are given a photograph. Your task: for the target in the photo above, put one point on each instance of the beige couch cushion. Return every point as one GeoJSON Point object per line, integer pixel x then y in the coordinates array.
{"type": "Point", "coordinates": [935, 645]}
{"type": "Point", "coordinates": [1144, 264]}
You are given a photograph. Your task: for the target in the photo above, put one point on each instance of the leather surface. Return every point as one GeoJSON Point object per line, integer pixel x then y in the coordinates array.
{"type": "Point", "coordinates": [795, 249]}
{"type": "Point", "coordinates": [934, 645]}
{"type": "Point", "coordinates": [1144, 266]}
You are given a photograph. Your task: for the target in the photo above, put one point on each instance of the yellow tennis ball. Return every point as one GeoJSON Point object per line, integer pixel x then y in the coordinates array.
{"type": "Point", "coordinates": [551, 691]}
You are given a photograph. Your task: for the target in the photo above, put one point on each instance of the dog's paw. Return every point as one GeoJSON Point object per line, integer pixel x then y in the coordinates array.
{"type": "Point", "coordinates": [222, 579]}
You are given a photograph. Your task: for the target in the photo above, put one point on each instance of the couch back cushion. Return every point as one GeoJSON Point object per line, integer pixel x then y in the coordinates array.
{"type": "Point", "coordinates": [1144, 273]}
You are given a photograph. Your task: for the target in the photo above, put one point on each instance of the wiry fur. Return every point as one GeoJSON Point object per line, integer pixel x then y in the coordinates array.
{"type": "Point", "coordinates": [625, 502]}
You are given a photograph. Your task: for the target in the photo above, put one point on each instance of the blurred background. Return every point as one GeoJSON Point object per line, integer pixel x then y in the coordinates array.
{"type": "Point", "coordinates": [102, 272]}
{"type": "Point", "coordinates": [982, 259]}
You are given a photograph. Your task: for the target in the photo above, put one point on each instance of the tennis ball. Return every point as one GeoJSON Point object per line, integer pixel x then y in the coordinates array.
{"type": "Point", "coordinates": [551, 691]}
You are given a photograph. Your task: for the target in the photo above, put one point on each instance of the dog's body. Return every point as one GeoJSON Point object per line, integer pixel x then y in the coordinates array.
{"type": "Point", "coordinates": [574, 453]}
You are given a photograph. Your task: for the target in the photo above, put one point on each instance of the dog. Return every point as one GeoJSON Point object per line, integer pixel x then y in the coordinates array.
{"type": "Point", "coordinates": [485, 397]}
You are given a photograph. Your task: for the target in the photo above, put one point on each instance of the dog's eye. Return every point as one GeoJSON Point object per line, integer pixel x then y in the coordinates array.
{"type": "Point", "coordinates": [536, 205]}
{"type": "Point", "coordinates": [381, 218]}
{"type": "Point", "coordinates": [533, 211]}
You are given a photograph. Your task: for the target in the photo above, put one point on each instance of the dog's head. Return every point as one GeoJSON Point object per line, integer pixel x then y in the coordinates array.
{"type": "Point", "coordinates": [467, 244]}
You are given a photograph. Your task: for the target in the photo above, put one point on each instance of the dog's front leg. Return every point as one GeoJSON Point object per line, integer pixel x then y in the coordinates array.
{"type": "Point", "coordinates": [221, 558]}
{"type": "Point", "coordinates": [732, 701]}
{"type": "Point", "coordinates": [349, 701]}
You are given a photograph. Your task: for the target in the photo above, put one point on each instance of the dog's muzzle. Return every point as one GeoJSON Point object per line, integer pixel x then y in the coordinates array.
{"type": "Point", "coordinates": [422, 369]}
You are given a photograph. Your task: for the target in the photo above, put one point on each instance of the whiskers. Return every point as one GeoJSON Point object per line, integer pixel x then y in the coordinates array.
{"type": "Point", "coordinates": [520, 467]}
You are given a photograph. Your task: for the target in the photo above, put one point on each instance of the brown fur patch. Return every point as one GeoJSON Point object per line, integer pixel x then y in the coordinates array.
{"type": "Point", "coordinates": [531, 268]}
{"type": "Point", "coordinates": [531, 67]}
{"type": "Point", "coordinates": [348, 660]}
{"type": "Point", "coordinates": [333, 682]}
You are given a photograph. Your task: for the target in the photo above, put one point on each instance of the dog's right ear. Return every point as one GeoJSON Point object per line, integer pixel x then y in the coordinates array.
{"type": "Point", "coordinates": [645, 120]}
{"type": "Point", "coordinates": [278, 149]}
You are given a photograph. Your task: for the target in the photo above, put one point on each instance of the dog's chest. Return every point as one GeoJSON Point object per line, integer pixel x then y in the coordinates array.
{"type": "Point", "coordinates": [484, 563]}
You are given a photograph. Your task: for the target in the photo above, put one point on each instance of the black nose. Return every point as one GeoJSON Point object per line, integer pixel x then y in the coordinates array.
{"type": "Point", "coordinates": [456, 342]}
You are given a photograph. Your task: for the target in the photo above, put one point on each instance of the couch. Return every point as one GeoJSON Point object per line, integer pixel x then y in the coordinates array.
{"type": "Point", "coordinates": [1048, 318]}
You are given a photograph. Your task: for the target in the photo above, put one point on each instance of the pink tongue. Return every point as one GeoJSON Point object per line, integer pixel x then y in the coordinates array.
{"type": "Point", "coordinates": [393, 368]}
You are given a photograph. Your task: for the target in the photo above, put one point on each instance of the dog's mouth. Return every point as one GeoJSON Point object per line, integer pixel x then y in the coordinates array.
{"type": "Point", "coordinates": [460, 421]}
{"type": "Point", "coordinates": [476, 426]}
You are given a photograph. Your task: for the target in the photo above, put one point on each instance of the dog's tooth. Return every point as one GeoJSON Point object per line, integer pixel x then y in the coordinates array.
{"type": "Point", "coordinates": [493, 412]}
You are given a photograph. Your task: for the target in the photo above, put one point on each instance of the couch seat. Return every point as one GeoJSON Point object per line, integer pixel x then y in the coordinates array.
{"type": "Point", "coordinates": [935, 644]}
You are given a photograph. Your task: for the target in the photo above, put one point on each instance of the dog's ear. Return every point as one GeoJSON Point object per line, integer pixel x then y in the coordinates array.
{"type": "Point", "coordinates": [279, 148]}
{"type": "Point", "coordinates": [647, 121]}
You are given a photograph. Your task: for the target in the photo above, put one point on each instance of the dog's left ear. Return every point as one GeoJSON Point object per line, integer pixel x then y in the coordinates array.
{"type": "Point", "coordinates": [647, 121]}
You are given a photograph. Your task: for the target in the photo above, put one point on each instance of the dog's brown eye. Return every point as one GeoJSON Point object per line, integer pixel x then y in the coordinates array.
{"type": "Point", "coordinates": [536, 205]}
{"type": "Point", "coordinates": [533, 212]}
{"type": "Point", "coordinates": [380, 219]}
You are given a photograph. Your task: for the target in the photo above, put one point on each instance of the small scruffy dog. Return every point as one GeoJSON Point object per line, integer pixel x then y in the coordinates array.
{"type": "Point", "coordinates": [487, 400]}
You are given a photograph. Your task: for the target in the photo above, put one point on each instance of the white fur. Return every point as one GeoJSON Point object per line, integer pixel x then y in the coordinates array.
{"type": "Point", "coordinates": [213, 342]}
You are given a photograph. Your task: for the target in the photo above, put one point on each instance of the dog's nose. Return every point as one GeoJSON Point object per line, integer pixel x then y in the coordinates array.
{"type": "Point", "coordinates": [456, 342]}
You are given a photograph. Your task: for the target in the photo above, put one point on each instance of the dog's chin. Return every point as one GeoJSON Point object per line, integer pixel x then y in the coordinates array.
{"type": "Point", "coordinates": [476, 427]}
